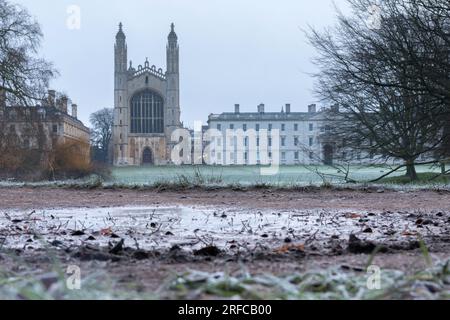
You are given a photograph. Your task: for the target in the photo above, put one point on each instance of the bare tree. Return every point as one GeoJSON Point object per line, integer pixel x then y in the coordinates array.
{"type": "Point", "coordinates": [102, 124]}
{"type": "Point", "coordinates": [377, 75]}
{"type": "Point", "coordinates": [433, 17]}
{"type": "Point", "coordinates": [23, 77]}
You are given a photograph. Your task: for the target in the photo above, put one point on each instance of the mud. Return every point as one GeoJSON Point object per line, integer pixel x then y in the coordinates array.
{"type": "Point", "coordinates": [231, 230]}
{"type": "Point", "coordinates": [142, 238]}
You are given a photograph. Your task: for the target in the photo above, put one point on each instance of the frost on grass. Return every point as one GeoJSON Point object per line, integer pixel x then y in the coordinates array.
{"type": "Point", "coordinates": [433, 283]}
{"type": "Point", "coordinates": [178, 177]}
{"type": "Point", "coordinates": [53, 286]}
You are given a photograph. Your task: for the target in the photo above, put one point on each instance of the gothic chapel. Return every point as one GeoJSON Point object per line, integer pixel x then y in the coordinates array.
{"type": "Point", "coordinates": [146, 106]}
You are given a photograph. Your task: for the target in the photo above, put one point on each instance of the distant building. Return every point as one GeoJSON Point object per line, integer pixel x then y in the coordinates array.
{"type": "Point", "coordinates": [301, 135]}
{"type": "Point", "coordinates": [44, 125]}
{"type": "Point", "coordinates": [146, 106]}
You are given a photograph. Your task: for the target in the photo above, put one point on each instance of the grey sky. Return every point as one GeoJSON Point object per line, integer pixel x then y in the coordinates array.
{"type": "Point", "coordinates": [231, 51]}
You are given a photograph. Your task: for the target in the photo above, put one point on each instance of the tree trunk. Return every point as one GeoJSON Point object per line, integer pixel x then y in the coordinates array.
{"type": "Point", "coordinates": [443, 170]}
{"type": "Point", "coordinates": [411, 171]}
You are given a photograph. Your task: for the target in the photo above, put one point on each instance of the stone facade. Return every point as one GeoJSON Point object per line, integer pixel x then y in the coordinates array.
{"type": "Point", "coordinates": [45, 125]}
{"type": "Point", "coordinates": [305, 138]}
{"type": "Point", "coordinates": [146, 106]}
{"type": "Point", "coordinates": [301, 134]}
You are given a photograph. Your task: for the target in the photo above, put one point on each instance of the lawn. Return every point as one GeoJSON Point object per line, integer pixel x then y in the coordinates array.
{"type": "Point", "coordinates": [251, 175]}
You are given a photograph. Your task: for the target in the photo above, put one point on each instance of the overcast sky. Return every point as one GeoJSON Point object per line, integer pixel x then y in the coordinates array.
{"type": "Point", "coordinates": [231, 51]}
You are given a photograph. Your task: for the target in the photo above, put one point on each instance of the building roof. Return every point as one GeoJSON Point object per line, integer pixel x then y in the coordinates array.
{"type": "Point", "coordinates": [50, 112]}
{"type": "Point", "coordinates": [267, 116]}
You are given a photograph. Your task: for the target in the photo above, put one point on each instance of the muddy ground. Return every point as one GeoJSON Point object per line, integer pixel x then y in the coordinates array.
{"type": "Point", "coordinates": [142, 238]}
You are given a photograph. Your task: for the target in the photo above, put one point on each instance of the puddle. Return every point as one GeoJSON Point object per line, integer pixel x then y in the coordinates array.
{"type": "Point", "coordinates": [159, 228]}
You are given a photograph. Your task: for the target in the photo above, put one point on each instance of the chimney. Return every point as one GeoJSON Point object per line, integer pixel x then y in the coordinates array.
{"type": "Point", "coordinates": [74, 110]}
{"type": "Point", "coordinates": [236, 108]}
{"type": "Point", "coordinates": [335, 108]}
{"type": "Point", "coordinates": [2, 98]}
{"type": "Point", "coordinates": [64, 101]}
{"type": "Point", "coordinates": [261, 108]}
{"type": "Point", "coordinates": [51, 98]}
{"type": "Point", "coordinates": [312, 108]}
{"type": "Point", "coordinates": [288, 108]}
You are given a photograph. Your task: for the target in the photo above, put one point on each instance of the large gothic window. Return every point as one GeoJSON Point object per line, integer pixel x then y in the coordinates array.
{"type": "Point", "coordinates": [147, 113]}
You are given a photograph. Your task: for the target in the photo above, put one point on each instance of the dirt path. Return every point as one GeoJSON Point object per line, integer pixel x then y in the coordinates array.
{"type": "Point", "coordinates": [406, 214]}
{"type": "Point", "coordinates": [44, 198]}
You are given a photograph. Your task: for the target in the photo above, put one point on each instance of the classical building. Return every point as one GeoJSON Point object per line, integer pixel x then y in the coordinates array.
{"type": "Point", "coordinates": [300, 135]}
{"type": "Point", "coordinates": [146, 106]}
{"type": "Point", "coordinates": [45, 125]}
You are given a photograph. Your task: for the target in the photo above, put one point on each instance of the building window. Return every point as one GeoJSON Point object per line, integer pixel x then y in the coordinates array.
{"type": "Point", "coordinates": [311, 141]}
{"type": "Point", "coordinates": [296, 141]}
{"type": "Point", "coordinates": [283, 141]}
{"type": "Point", "coordinates": [270, 127]}
{"type": "Point", "coordinates": [270, 155]}
{"type": "Point", "coordinates": [257, 127]}
{"type": "Point", "coordinates": [270, 142]}
{"type": "Point", "coordinates": [26, 143]}
{"type": "Point", "coordinates": [147, 113]}
{"type": "Point", "coordinates": [246, 141]}
{"type": "Point", "coordinates": [283, 127]}
{"type": "Point", "coordinates": [245, 156]}
{"type": "Point", "coordinates": [231, 126]}
{"type": "Point", "coordinates": [55, 128]}
{"type": "Point", "coordinates": [311, 127]}
{"type": "Point", "coordinates": [257, 142]}
{"type": "Point", "coordinates": [244, 127]}
{"type": "Point", "coordinates": [296, 155]}
{"type": "Point", "coordinates": [296, 127]}
{"type": "Point", "coordinates": [219, 127]}
{"type": "Point", "coordinates": [283, 156]}
{"type": "Point", "coordinates": [219, 142]}
{"type": "Point", "coordinates": [146, 80]}
{"type": "Point", "coordinates": [311, 155]}
{"type": "Point", "coordinates": [12, 128]}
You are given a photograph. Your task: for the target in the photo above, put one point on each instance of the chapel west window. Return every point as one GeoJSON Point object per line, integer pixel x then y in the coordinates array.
{"type": "Point", "coordinates": [147, 113]}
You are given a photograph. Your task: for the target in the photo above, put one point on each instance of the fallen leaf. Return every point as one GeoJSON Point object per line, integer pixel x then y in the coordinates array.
{"type": "Point", "coordinates": [353, 215]}
{"type": "Point", "coordinates": [106, 231]}
{"type": "Point", "coordinates": [409, 233]}
{"type": "Point", "coordinates": [290, 247]}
